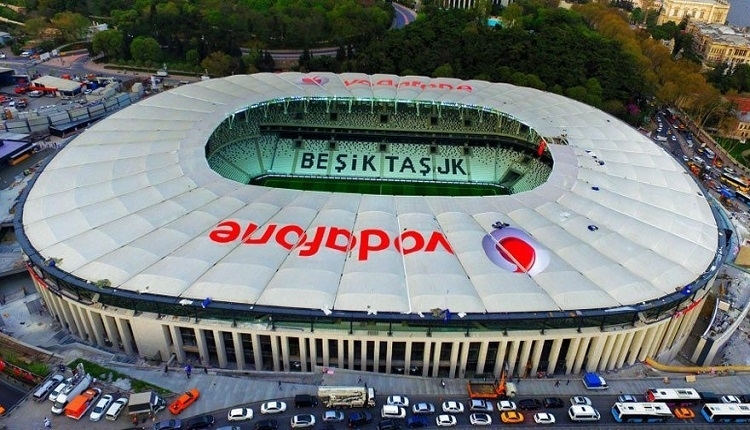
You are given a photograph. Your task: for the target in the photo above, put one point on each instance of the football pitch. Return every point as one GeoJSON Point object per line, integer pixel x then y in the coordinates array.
{"type": "Point", "coordinates": [387, 188]}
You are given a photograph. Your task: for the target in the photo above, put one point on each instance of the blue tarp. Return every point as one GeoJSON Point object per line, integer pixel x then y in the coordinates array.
{"type": "Point", "coordinates": [592, 380]}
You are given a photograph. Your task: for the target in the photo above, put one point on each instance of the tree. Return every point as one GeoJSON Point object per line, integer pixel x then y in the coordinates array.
{"type": "Point", "coordinates": [35, 26]}
{"type": "Point", "coordinates": [72, 26]}
{"type": "Point", "coordinates": [444, 71]}
{"type": "Point", "coordinates": [145, 50]}
{"type": "Point", "coordinates": [192, 57]}
{"type": "Point", "coordinates": [110, 43]}
{"type": "Point", "coordinates": [217, 64]}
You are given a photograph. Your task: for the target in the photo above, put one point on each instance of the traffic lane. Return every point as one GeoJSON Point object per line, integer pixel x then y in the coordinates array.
{"type": "Point", "coordinates": [10, 394]}
{"type": "Point", "coordinates": [404, 16]}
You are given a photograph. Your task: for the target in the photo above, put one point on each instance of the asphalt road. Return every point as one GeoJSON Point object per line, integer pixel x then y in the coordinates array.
{"type": "Point", "coordinates": [9, 394]}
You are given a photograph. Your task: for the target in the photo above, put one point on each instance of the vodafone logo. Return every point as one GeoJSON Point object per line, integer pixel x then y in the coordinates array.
{"type": "Point", "coordinates": [514, 250]}
{"type": "Point", "coordinates": [313, 80]}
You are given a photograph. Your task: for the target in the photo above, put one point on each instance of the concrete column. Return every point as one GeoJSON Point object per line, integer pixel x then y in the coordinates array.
{"type": "Point", "coordinates": [616, 348]}
{"type": "Point", "coordinates": [407, 357]}
{"type": "Point", "coordinates": [513, 358]}
{"type": "Point", "coordinates": [635, 346]}
{"type": "Point", "coordinates": [363, 355]}
{"type": "Point", "coordinates": [482, 359]}
{"type": "Point", "coordinates": [127, 341]}
{"type": "Point", "coordinates": [313, 355]}
{"type": "Point", "coordinates": [581, 355]}
{"type": "Point", "coordinates": [464, 357]}
{"type": "Point", "coordinates": [179, 353]}
{"type": "Point", "coordinates": [570, 357]}
{"type": "Point", "coordinates": [656, 340]}
{"type": "Point", "coordinates": [388, 357]}
{"type": "Point", "coordinates": [500, 360]}
{"type": "Point", "coordinates": [257, 353]}
{"type": "Point", "coordinates": [52, 301]}
{"type": "Point", "coordinates": [523, 361]}
{"type": "Point", "coordinates": [284, 341]}
{"type": "Point", "coordinates": [453, 360]}
{"type": "Point", "coordinates": [221, 348]}
{"type": "Point", "coordinates": [350, 346]}
{"type": "Point", "coordinates": [554, 354]}
{"type": "Point", "coordinates": [200, 342]}
{"type": "Point", "coordinates": [536, 355]}
{"type": "Point", "coordinates": [275, 352]}
{"type": "Point", "coordinates": [83, 323]}
{"type": "Point", "coordinates": [110, 327]}
{"type": "Point", "coordinates": [326, 354]}
{"type": "Point", "coordinates": [648, 340]}
{"type": "Point", "coordinates": [426, 358]}
{"type": "Point", "coordinates": [609, 344]}
{"type": "Point", "coordinates": [68, 318]}
{"type": "Point", "coordinates": [303, 354]}
{"type": "Point", "coordinates": [436, 359]}
{"type": "Point", "coordinates": [95, 321]}
{"type": "Point", "coordinates": [625, 347]}
{"type": "Point", "coordinates": [376, 356]}
{"type": "Point", "coordinates": [341, 363]}
{"type": "Point", "coordinates": [595, 353]}
{"type": "Point", "coordinates": [239, 350]}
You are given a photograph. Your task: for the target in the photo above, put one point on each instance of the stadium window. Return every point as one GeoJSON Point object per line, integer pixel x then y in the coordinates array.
{"type": "Point", "coordinates": [298, 144]}
{"type": "Point", "coordinates": [383, 118]}
{"type": "Point", "coordinates": [298, 116]}
{"type": "Point", "coordinates": [433, 120]}
{"type": "Point", "coordinates": [467, 150]}
{"type": "Point", "coordinates": [433, 149]}
{"type": "Point", "coordinates": [332, 145]}
{"type": "Point", "coordinates": [333, 116]}
{"type": "Point", "coordinates": [467, 123]}
{"type": "Point", "coordinates": [383, 147]}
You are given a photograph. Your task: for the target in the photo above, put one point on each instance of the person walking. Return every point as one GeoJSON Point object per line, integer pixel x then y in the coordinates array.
{"type": "Point", "coordinates": [188, 371]}
{"type": "Point", "coordinates": [557, 383]}
{"type": "Point", "coordinates": [166, 369]}
{"type": "Point", "coordinates": [47, 423]}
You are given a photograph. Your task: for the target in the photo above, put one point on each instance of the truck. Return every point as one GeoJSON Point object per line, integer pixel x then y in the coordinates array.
{"type": "Point", "coordinates": [592, 381]}
{"type": "Point", "coordinates": [347, 397]}
{"type": "Point", "coordinates": [82, 403]}
{"type": "Point", "coordinates": [498, 389]}
{"type": "Point", "coordinates": [145, 403]}
{"type": "Point", "coordinates": [77, 386]}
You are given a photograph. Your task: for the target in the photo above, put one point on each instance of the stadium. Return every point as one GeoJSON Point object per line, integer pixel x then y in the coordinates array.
{"type": "Point", "coordinates": [430, 226]}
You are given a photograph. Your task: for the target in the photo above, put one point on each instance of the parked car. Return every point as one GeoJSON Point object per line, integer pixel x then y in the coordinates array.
{"type": "Point", "coordinates": [388, 425]}
{"type": "Point", "coordinates": [627, 398]}
{"type": "Point", "coordinates": [730, 399]}
{"type": "Point", "coordinates": [417, 421]}
{"type": "Point", "coordinates": [357, 419]}
{"type": "Point", "coordinates": [101, 407]}
{"type": "Point", "coordinates": [453, 407]}
{"type": "Point", "coordinates": [186, 399]}
{"type": "Point", "coordinates": [116, 408]}
{"type": "Point", "coordinates": [481, 405]}
{"type": "Point", "coordinates": [544, 418]}
{"type": "Point", "coordinates": [529, 404]}
{"type": "Point", "coordinates": [580, 400]}
{"type": "Point", "coordinates": [333, 416]}
{"type": "Point", "coordinates": [511, 417]}
{"type": "Point", "coordinates": [302, 421]}
{"type": "Point", "coordinates": [480, 419]}
{"type": "Point", "coordinates": [391, 411]}
{"type": "Point", "coordinates": [199, 422]}
{"type": "Point", "coordinates": [506, 405]}
{"type": "Point", "coordinates": [272, 408]}
{"type": "Point", "coordinates": [173, 424]}
{"type": "Point", "coordinates": [445, 420]}
{"type": "Point", "coordinates": [266, 425]}
{"type": "Point", "coordinates": [240, 414]}
{"type": "Point", "coordinates": [553, 402]}
{"type": "Point", "coordinates": [423, 408]}
{"type": "Point", "coordinates": [402, 401]}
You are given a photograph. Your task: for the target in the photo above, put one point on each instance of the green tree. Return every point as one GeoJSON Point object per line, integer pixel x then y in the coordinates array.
{"type": "Point", "coordinates": [110, 43]}
{"type": "Point", "coordinates": [192, 57]}
{"type": "Point", "coordinates": [217, 64]}
{"type": "Point", "coordinates": [72, 26]}
{"type": "Point", "coordinates": [145, 50]}
{"type": "Point", "coordinates": [444, 71]}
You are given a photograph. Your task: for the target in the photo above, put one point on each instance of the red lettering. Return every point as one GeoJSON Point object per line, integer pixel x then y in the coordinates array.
{"type": "Point", "coordinates": [332, 240]}
{"type": "Point", "coordinates": [284, 232]}
{"type": "Point", "coordinates": [401, 246]}
{"type": "Point", "coordinates": [386, 82]}
{"type": "Point", "coordinates": [411, 84]}
{"type": "Point", "coordinates": [365, 246]}
{"type": "Point", "coordinates": [311, 247]}
{"type": "Point", "coordinates": [247, 237]}
{"type": "Point", "coordinates": [442, 86]}
{"type": "Point", "coordinates": [225, 232]}
{"type": "Point", "coordinates": [438, 238]}
{"type": "Point", "coordinates": [356, 81]}
{"type": "Point", "coordinates": [467, 88]}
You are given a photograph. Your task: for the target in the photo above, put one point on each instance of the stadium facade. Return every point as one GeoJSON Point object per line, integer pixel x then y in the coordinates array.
{"type": "Point", "coordinates": [586, 247]}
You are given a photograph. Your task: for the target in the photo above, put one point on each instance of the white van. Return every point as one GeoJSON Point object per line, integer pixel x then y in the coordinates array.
{"type": "Point", "coordinates": [43, 391]}
{"type": "Point", "coordinates": [58, 390]}
{"type": "Point", "coordinates": [392, 411]}
{"type": "Point", "coordinates": [116, 409]}
{"type": "Point", "coordinates": [583, 413]}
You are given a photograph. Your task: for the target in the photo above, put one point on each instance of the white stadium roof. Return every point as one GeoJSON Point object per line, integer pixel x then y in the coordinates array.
{"type": "Point", "coordinates": [133, 200]}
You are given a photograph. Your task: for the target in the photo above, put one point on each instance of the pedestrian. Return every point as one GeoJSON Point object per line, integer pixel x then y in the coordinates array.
{"type": "Point", "coordinates": [166, 368]}
{"type": "Point", "coordinates": [568, 382]}
{"type": "Point", "coordinates": [279, 385]}
{"type": "Point", "coordinates": [205, 370]}
{"type": "Point", "coordinates": [47, 423]}
{"type": "Point", "coordinates": [359, 380]}
{"type": "Point", "coordinates": [557, 383]}
{"type": "Point", "coordinates": [188, 370]}
{"type": "Point", "coordinates": [442, 382]}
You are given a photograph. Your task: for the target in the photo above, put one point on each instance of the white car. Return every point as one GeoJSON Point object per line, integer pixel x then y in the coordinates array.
{"type": "Point", "coordinates": [580, 400]}
{"type": "Point", "coordinates": [730, 399]}
{"type": "Point", "coordinates": [302, 421]}
{"type": "Point", "coordinates": [453, 407]}
{"type": "Point", "coordinates": [506, 405]}
{"type": "Point", "coordinates": [445, 420]}
{"type": "Point", "coordinates": [544, 418]}
{"type": "Point", "coordinates": [333, 416]}
{"type": "Point", "coordinates": [480, 419]}
{"type": "Point", "coordinates": [402, 401]}
{"type": "Point", "coordinates": [394, 412]}
{"type": "Point", "coordinates": [423, 408]}
{"type": "Point", "coordinates": [116, 408]}
{"type": "Point", "coordinates": [101, 408]}
{"type": "Point", "coordinates": [480, 405]}
{"type": "Point", "coordinates": [240, 414]}
{"type": "Point", "coordinates": [272, 408]}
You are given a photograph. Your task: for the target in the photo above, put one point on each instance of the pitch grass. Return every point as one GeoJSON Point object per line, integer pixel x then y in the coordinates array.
{"type": "Point", "coordinates": [387, 188]}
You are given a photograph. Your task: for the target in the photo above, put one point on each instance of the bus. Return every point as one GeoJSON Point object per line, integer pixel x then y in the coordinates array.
{"type": "Point", "coordinates": [674, 396]}
{"type": "Point", "coordinates": [737, 183]}
{"type": "Point", "coordinates": [709, 153]}
{"type": "Point", "coordinates": [651, 412]}
{"type": "Point", "coordinates": [726, 412]}
{"type": "Point", "coordinates": [743, 197]}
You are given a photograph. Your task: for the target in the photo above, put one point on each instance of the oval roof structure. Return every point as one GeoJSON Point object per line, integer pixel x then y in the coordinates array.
{"type": "Point", "coordinates": [133, 200]}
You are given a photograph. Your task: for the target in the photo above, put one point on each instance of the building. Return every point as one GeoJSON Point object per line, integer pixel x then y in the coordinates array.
{"type": "Point", "coordinates": [144, 236]}
{"type": "Point", "coordinates": [705, 11]}
{"type": "Point", "coordinates": [718, 43]}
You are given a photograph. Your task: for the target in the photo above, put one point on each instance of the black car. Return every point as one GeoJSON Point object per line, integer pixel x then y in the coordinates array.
{"type": "Point", "coordinates": [357, 419]}
{"type": "Point", "coordinates": [529, 404]}
{"type": "Point", "coordinates": [553, 402]}
{"type": "Point", "coordinates": [388, 425]}
{"type": "Point", "coordinates": [745, 398]}
{"type": "Point", "coordinates": [199, 422]}
{"type": "Point", "coordinates": [305, 401]}
{"type": "Point", "coordinates": [266, 425]}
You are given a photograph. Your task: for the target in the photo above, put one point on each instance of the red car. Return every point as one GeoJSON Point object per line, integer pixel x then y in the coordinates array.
{"type": "Point", "coordinates": [186, 399]}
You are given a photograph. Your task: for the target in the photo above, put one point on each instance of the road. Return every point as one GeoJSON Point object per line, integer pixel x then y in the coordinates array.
{"type": "Point", "coordinates": [404, 16]}
{"type": "Point", "coordinates": [9, 394]}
